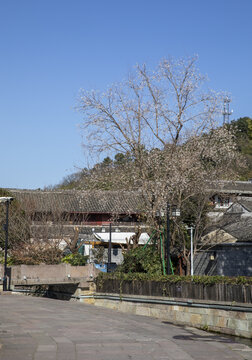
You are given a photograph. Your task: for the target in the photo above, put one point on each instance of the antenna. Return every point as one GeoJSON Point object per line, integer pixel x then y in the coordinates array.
{"type": "Point", "coordinates": [226, 112]}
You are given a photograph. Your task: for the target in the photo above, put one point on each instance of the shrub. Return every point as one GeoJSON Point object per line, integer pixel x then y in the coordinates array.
{"type": "Point", "coordinates": [206, 280]}
{"type": "Point", "coordinates": [140, 260]}
{"type": "Point", "coordinates": [75, 259]}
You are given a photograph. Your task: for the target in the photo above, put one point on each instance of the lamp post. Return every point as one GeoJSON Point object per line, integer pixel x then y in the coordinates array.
{"type": "Point", "coordinates": [109, 248]}
{"type": "Point", "coordinates": [6, 200]}
{"type": "Point", "coordinates": [175, 213]}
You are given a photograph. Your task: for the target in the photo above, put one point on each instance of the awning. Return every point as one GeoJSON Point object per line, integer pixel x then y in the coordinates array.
{"type": "Point", "coordinates": [120, 237]}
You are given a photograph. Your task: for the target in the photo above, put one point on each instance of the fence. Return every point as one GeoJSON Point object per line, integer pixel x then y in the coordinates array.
{"type": "Point", "coordinates": [186, 290]}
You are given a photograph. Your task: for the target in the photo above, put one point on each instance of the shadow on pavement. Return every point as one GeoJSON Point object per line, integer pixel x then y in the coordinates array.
{"type": "Point", "coordinates": [208, 336]}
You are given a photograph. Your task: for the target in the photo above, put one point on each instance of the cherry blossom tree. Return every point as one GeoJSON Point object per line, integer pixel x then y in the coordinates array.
{"type": "Point", "coordinates": [166, 122]}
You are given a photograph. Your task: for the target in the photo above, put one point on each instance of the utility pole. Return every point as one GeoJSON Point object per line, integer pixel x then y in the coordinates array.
{"type": "Point", "coordinates": [191, 232]}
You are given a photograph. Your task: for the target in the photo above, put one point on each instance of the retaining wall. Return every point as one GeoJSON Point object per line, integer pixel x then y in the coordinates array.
{"type": "Point", "coordinates": [196, 314]}
{"type": "Point", "coordinates": [225, 308]}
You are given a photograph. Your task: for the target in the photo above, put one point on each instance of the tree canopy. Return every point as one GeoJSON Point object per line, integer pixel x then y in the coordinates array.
{"type": "Point", "coordinates": [160, 133]}
{"type": "Point", "coordinates": [242, 129]}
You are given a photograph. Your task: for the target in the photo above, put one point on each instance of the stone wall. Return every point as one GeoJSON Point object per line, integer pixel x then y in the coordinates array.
{"type": "Point", "coordinates": [225, 308]}
{"type": "Point", "coordinates": [238, 323]}
{"type": "Point", "coordinates": [225, 259]}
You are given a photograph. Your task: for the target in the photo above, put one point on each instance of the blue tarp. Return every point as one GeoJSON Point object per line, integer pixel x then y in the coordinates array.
{"type": "Point", "coordinates": [101, 267]}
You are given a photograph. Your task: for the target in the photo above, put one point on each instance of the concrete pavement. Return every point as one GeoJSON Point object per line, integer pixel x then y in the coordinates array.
{"type": "Point", "coordinates": [45, 329]}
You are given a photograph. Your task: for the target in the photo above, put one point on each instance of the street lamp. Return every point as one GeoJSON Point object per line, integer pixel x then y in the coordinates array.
{"type": "Point", "coordinates": [175, 212]}
{"type": "Point", "coordinates": [6, 200]}
{"type": "Point", "coordinates": [109, 248]}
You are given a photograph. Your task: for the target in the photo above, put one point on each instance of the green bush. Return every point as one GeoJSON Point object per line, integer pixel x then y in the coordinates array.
{"type": "Point", "coordinates": [10, 260]}
{"type": "Point", "coordinates": [206, 280]}
{"type": "Point", "coordinates": [75, 259]}
{"type": "Point", "coordinates": [141, 260]}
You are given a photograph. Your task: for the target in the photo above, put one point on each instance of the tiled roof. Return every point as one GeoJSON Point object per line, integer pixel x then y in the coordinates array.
{"type": "Point", "coordinates": [113, 202]}
{"type": "Point", "coordinates": [237, 225]}
{"type": "Point", "coordinates": [232, 187]}
{"type": "Point", "coordinates": [78, 201]}
{"type": "Point", "coordinates": [241, 230]}
{"type": "Point", "coordinates": [246, 202]}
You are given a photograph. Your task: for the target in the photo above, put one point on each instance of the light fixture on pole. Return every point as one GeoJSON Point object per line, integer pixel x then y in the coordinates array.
{"type": "Point", "coordinates": [6, 200]}
{"type": "Point", "coordinates": [175, 212]}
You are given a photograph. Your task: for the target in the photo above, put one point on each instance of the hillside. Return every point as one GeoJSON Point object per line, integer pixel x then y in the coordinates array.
{"type": "Point", "coordinates": [92, 179]}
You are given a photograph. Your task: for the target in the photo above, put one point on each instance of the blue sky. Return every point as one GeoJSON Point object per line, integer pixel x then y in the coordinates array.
{"type": "Point", "coordinates": [52, 48]}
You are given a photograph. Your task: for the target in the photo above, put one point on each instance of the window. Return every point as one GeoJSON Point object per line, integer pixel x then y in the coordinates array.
{"type": "Point", "coordinates": [222, 202]}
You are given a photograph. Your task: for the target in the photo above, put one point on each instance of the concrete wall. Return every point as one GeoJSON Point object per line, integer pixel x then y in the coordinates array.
{"type": "Point", "coordinates": [47, 274]}
{"type": "Point", "coordinates": [225, 259]}
{"type": "Point", "coordinates": [237, 323]}
{"type": "Point", "coordinates": [116, 255]}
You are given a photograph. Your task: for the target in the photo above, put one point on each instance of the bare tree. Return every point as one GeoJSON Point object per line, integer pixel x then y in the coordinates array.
{"type": "Point", "coordinates": [166, 122]}
{"type": "Point", "coordinates": [45, 240]}
{"type": "Point", "coordinates": [19, 229]}
{"type": "Point", "coordinates": [35, 236]}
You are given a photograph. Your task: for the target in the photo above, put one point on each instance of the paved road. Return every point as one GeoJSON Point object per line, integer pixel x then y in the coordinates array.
{"type": "Point", "coordinates": [39, 328]}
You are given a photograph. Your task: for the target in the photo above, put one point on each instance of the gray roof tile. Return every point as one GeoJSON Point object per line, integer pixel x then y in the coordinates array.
{"type": "Point", "coordinates": [232, 187]}
{"type": "Point", "coordinates": [79, 201]}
